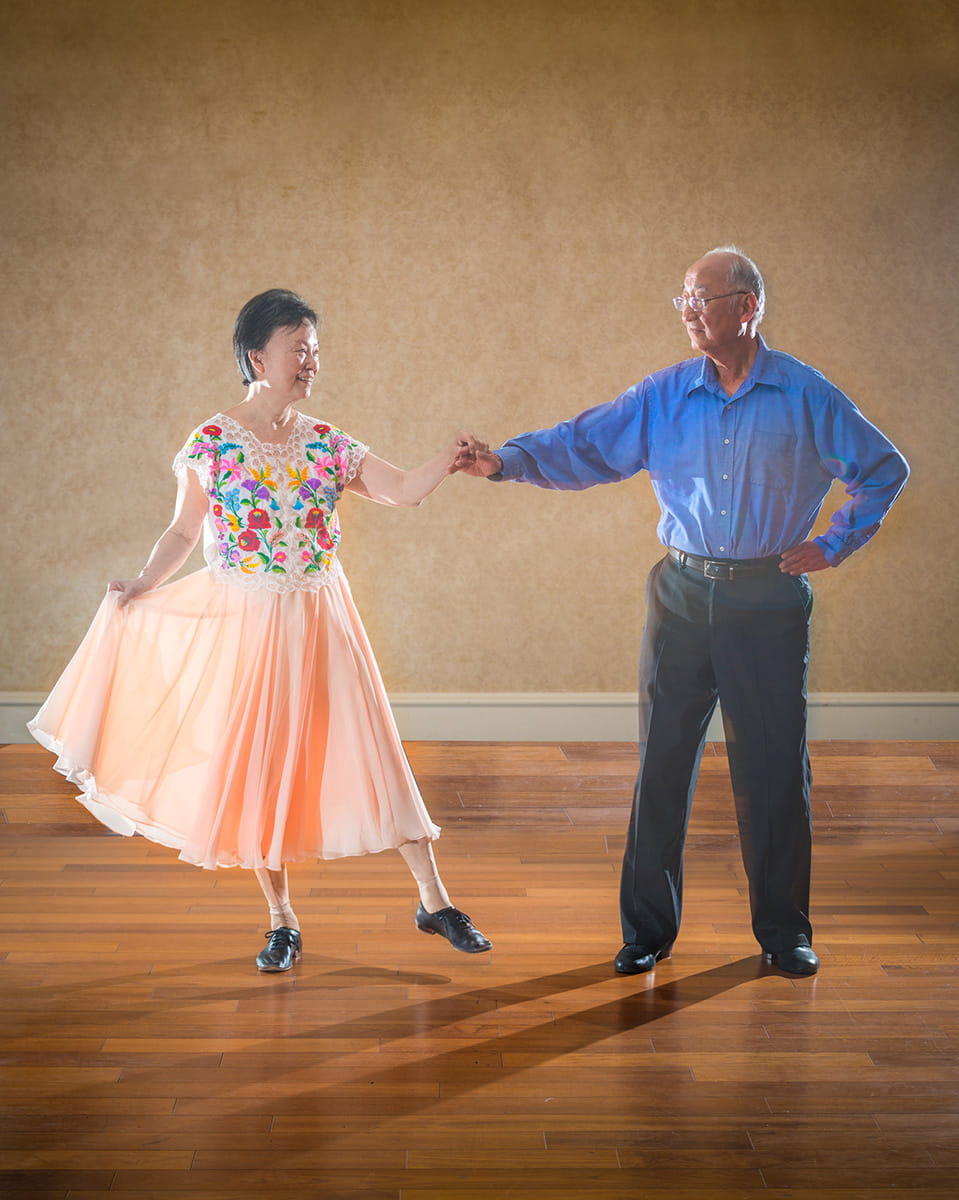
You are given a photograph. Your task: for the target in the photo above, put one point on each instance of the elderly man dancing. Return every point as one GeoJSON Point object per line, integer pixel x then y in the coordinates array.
{"type": "Point", "coordinates": [741, 443]}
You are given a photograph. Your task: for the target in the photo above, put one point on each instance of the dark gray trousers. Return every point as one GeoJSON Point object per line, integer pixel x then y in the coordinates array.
{"type": "Point", "coordinates": [744, 642]}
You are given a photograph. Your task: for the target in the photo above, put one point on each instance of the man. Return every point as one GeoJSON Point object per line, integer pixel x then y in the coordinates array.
{"type": "Point", "coordinates": [742, 444]}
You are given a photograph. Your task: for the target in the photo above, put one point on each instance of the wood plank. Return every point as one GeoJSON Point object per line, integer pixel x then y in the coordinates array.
{"type": "Point", "coordinates": [143, 1056]}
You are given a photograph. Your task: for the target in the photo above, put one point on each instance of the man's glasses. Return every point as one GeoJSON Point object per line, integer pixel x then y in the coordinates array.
{"type": "Point", "coordinates": [698, 303]}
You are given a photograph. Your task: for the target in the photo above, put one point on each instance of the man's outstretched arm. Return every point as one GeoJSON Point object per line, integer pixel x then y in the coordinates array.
{"type": "Point", "coordinates": [605, 444]}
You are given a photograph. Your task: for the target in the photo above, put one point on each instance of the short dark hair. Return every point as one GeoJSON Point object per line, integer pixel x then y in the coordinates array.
{"type": "Point", "coordinates": [260, 318]}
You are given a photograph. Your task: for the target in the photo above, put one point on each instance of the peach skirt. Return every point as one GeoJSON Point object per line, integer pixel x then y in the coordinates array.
{"type": "Point", "coordinates": [243, 728]}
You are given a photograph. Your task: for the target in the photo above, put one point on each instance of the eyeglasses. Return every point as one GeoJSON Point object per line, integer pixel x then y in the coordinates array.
{"type": "Point", "coordinates": [698, 303]}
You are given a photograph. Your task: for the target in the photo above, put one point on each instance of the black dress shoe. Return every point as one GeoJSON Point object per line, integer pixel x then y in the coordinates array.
{"type": "Point", "coordinates": [456, 927]}
{"type": "Point", "coordinates": [282, 951]}
{"type": "Point", "coordinates": [636, 960]}
{"type": "Point", "coordinates": [800, 960]}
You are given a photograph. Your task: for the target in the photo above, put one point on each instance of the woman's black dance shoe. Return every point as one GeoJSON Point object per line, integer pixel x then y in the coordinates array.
{"type": "Point", "coordinates": [456, 927]}
{"type": "Point", "coordinates": [282, 951]}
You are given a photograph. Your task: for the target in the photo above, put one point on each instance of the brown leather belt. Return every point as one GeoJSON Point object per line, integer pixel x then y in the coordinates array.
{"type": "Point", "coordinates": [725, 568]}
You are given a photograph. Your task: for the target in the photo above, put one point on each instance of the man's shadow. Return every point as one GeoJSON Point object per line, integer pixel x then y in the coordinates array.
{"type": "Point", "coordinates": [465, 1068]}
{"type": "Point", "coordinates": [451, 1074]}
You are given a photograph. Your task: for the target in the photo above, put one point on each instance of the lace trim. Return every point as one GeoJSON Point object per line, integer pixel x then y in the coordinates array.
{"type": "Point", "coordinates": [260, 581]}
{"type": "Point", "coordinates": [354, 459]}
{"type": "Point", "coordinates": [181, 460]}
{"type": "Point", "coordinates": [260, 453]}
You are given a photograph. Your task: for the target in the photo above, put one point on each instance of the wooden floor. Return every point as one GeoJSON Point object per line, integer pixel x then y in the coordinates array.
{"type": "Point", "coordinates": [144, 1056]}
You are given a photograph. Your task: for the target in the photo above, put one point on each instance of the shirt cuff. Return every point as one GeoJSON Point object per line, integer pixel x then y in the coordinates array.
{"type": "Point", "coordinates": [512, 460]}
{"type": "Point", "coordinates": [832, 553]}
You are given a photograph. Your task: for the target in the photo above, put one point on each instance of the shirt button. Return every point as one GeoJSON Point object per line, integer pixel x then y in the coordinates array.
{"type": "Point", "coordinates": [722, 547]}
{"type": "Point", "coordinates": [722, 512]}
{"type": "Point", "coordinates": [725, 441]}
{"type": "Point", "coordinates": [725, 477]}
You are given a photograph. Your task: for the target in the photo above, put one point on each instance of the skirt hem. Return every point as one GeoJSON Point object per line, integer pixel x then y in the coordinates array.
{"type": "Point", "coordinates": [98, 804]}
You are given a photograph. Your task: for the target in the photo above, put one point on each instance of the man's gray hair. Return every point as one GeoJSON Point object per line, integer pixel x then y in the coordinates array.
{"type": "Point", "coordinates": [744, 274]}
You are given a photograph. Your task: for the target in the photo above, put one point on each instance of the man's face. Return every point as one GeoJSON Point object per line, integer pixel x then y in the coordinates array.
{"type": "Point", "coordinates": [722, 322]}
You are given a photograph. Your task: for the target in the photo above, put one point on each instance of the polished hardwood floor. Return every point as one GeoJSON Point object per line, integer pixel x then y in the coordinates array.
{"type": "Point", "coordinates": [145, 1058]}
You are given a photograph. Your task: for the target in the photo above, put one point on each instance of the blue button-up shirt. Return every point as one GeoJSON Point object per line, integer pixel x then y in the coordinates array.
{"type": "Point", "coordinates": [736, 477]}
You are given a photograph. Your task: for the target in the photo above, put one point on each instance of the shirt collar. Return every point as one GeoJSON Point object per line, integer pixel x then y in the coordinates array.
{"type": "Point", "coordinates": [763, 370]}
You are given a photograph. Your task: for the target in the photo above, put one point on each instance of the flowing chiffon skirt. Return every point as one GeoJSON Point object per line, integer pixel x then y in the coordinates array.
{"type": "Point", "coordinates": [242, 727]}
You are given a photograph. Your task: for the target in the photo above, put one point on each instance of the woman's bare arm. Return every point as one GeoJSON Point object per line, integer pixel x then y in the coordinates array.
{"type": "Point", "coordinates": [174, 545]}
{"type": "Point", "coordinates": [380, 481]}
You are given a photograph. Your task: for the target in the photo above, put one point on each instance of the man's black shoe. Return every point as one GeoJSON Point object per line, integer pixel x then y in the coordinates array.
{"type": "Point", "coordinates": [800, 960]}
{"type": "Point", "coordinates": [636, 960]}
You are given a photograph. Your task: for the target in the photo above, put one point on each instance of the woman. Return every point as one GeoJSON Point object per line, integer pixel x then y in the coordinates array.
{"type": "Point", "coordinates": [237, 714]}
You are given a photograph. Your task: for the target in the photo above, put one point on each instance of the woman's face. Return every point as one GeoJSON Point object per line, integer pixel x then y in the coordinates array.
{"type": "Point", "coordinates": [288, 362]}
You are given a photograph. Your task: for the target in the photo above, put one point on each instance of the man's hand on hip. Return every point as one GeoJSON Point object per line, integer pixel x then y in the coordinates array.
{"type": "Point", "coordinates": [802, 559]}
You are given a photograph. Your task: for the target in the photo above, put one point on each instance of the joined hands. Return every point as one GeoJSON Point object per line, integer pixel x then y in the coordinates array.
{"type": "Point", "coordinates": [475, 457]}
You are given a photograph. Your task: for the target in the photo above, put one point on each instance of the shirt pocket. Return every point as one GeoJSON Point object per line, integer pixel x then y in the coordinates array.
{"type": "Point", "coordinates": [770, 459]}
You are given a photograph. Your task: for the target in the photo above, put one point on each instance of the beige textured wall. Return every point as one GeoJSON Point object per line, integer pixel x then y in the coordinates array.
{"type": "Point", "coordinates": [491, 201]}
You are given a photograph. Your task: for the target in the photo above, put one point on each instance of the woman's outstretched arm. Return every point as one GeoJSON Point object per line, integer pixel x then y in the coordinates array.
{"type": "Point", "coordinates": [380, 481]}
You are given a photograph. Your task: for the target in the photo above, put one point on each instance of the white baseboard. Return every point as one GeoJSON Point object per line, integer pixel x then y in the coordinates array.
{"type": "Point", "coordinates": [611, 716]}
{"type": "Point", "coordinates": [604, 716]}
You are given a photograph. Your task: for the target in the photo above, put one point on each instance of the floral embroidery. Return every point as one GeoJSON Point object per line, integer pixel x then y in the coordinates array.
{"type": "Point", "coordinates": [256, 522]}
{"type": "Point", "coordinates": [315, 489]}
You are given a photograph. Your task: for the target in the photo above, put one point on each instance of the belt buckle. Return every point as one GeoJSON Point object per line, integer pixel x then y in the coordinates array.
{"type": "Point", "coordinates": [717, 570]}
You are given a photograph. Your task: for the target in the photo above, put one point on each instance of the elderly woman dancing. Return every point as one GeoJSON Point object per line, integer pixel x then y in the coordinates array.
{"type": "Point", "coordinates": [237, 714]}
